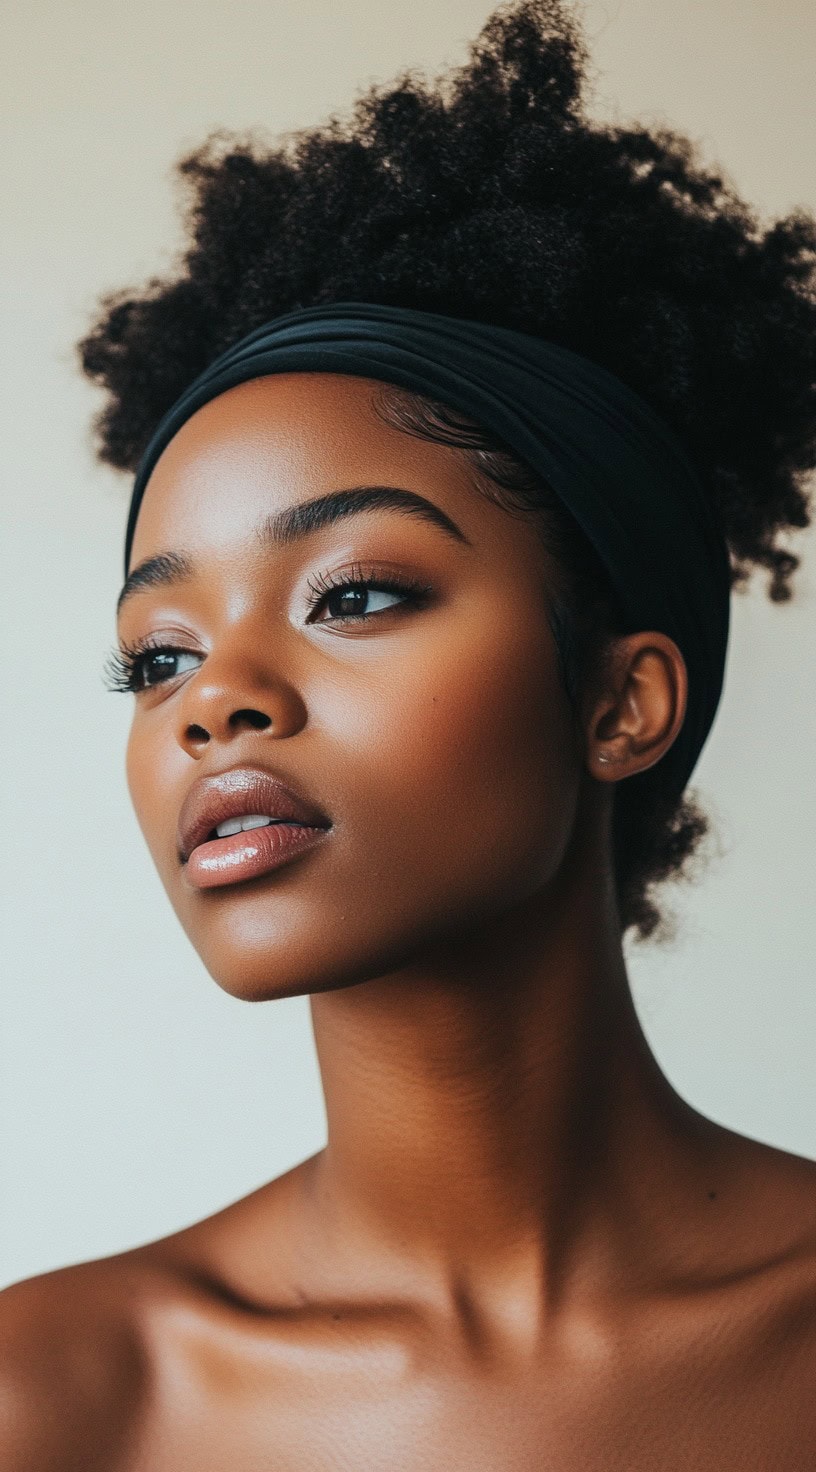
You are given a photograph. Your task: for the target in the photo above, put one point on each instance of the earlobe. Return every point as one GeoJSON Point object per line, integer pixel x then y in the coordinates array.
{"type": "Point", "coordinates": [642, 707]}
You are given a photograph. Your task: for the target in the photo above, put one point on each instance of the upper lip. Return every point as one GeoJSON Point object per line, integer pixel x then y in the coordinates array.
{"type": "Point", "coordinates": [235, 794]}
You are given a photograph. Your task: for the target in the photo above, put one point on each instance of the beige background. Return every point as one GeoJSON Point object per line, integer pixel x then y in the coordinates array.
{"type": "Point", "coordinates": [135, 1095]}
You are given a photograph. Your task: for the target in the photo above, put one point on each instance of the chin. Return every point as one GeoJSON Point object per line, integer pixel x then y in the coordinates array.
{"type": "Point", "coordinates": [297, 932]}
{"type": "Point", "coordinates": [259, 962]}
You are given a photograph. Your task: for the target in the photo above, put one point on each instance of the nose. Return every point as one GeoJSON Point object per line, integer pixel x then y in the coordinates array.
{"type": "Point", "coordinates": [231, 694]}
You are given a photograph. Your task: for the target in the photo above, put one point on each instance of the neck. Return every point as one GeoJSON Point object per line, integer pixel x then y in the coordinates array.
{"type": "Point", "coordinates": [493, 1102]}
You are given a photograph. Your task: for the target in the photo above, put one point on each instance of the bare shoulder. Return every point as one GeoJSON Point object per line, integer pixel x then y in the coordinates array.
{"type": "Point", "coordinates": [84, 1350]}
{"type": "Point", "coordinates": [767, 1209]}
{"type": "Point", "coordinates": [782, 1188]}
{"type": "Point", "coordinates": [784, 1208]}
{"type": "Point", "coordinates": [72, 1367]}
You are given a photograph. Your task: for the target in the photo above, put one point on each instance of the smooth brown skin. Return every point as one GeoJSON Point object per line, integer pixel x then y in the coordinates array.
{"type": "Point", "coordinates": [520, 1249]}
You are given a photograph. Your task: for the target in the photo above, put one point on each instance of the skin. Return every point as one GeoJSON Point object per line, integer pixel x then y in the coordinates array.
{"type": "Point", "coordinates": [520, 1249]}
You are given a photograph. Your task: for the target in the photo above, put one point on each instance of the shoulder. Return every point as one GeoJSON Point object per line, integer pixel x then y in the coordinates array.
{"type": "Point", "coordinates": [766, 1209]}
{"type": "Point", "coordinates": [781, 1296]}
{"type": "Point", "coordinates": [85, 1350]}
{"type": "Point", "coordinates": [72, 1368]}
{"type": "Point", "coordinates": [781, 1188]}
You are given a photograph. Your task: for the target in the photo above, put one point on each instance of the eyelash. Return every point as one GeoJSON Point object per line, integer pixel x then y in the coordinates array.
{"type": "Point", "coordinates": [124, 667]}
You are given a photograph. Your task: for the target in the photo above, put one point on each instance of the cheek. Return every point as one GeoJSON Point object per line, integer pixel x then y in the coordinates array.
{"type": "Point", "coordinates": [157, 770]}
{"type": "Point", "coordinates": [136, 787]}
{"type": "Point", "coordinates": [467, 769]}
{"type": "Point", "coordinates": [451, 773]}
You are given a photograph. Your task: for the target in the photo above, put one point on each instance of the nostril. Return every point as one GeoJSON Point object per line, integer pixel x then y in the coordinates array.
{"type": "Point", "coordinates": [254, 718]}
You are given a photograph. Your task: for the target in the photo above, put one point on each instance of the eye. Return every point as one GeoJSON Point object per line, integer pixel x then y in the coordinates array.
{"type": "Point", "coordinates": [141, 666]}
{"type": "Point", "coordinates": [350, 596]}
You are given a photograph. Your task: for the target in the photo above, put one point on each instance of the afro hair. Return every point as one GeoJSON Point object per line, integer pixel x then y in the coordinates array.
{"type": "Point", "coordinates": [490, 193]}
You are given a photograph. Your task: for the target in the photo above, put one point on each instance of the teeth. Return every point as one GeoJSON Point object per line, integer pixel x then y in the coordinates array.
{"type": "Point", "coordinates": [241, 825]}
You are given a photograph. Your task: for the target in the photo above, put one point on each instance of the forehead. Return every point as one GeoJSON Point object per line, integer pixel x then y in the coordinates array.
{"type": "Point", "coordinates": [282, 439]}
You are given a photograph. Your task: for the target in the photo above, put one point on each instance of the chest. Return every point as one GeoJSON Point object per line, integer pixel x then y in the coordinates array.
{"type": "Point", "coordinates": [387, 1412]}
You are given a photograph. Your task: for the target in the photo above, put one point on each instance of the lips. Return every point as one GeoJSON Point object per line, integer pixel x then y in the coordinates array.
{"type": "Point", "coordinates": [239, 793]}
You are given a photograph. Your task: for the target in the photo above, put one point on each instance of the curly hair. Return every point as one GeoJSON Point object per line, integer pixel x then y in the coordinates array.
{"type": "Point", "coordinates": [490, 193]}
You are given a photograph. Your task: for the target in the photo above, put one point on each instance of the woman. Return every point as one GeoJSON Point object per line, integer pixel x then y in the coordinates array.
{"type": "Point", "coordinates": [451, 436]}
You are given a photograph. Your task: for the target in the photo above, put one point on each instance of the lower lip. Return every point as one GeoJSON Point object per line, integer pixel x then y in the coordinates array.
{"type": "Point", "coordinates": [246, 855]}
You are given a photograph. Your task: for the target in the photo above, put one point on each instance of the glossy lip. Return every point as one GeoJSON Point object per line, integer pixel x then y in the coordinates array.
{"type": "Point", "coordinates": [235, 794]}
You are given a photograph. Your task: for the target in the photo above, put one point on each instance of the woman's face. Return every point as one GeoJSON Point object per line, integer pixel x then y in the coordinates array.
{"type": "Point", "coordinates": [433, 732]}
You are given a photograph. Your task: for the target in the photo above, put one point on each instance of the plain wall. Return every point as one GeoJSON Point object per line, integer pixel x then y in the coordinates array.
{"type": "Point", "coordinates": [135, 1095]}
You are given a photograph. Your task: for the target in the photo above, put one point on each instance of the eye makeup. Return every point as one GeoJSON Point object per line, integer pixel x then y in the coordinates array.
{"type": "Point", "coordinates": [129, 665]}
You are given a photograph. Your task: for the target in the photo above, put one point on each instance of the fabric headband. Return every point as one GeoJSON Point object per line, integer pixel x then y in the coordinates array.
{"type": "Point", "coordinates": [614, 464]}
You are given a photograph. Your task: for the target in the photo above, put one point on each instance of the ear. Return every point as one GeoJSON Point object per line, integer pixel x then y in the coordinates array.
{"type": "Point", "coordinates": [638, 708]}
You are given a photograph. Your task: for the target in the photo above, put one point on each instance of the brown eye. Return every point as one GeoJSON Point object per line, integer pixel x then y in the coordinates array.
{"type": "Point", "coordinates": [140, 668]}
{"type": "Point", "coordinates": [157, 665]}
{"type": "Point", "coordinates": [356, 595]}
{"type": "Point", "coordinates": [360, 600]}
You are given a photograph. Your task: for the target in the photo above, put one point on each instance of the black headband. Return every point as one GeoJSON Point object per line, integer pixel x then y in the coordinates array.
{"type": "Point", "coordinates": [615, 465]}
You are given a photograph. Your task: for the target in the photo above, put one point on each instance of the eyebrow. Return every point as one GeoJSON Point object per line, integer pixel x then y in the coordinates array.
{"type": "Point", "coordinates": [294, 522]}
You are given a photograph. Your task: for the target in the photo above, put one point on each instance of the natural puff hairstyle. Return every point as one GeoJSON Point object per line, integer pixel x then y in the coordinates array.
{"type": "Point", "coordinates": [490, 193]}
